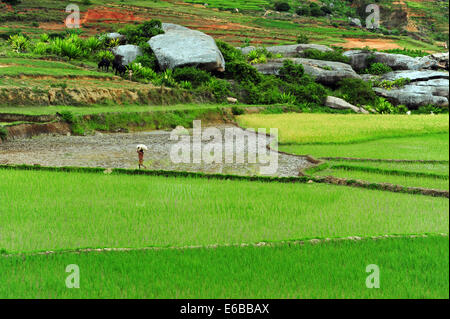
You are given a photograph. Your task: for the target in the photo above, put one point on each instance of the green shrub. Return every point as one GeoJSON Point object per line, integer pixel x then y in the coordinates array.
{"type": "Point", "coordinates": [273, 90]}
{"type": "Point", "coordinates": [409, 52]}
{"type": "Point", "coordinates": [315, 10]}
{"type": "Point", "coordinates": [59, 85]}
{"type": "Point", "coordinates": [291, 72]}
{"type": "Point", "coordinates": [44, 37]}
{"type": "Point", "coordinates": [196, 76]}
{"type": "Point", "coordinates": [236, 110]}
{"type": "Point", "coordinates": [138, 34]}
{"type": "Point", "coordinates": [3, 133]}
{"type": "Point", "coordinates": [166, 78]}
{"type": "Point", "coordinates": [92, 44]}
{"type": "Point", "coordinates": [428, 109]}
{"type": "Point", "coordinates": [388, 85]}
{"type": "Point", "coordinates": [41, 48]}
{"type": "Point", "coordinates": [308, 91]}
{"type": "Point", "coordinates": [326, 10]}
{"type": "Point", "coordinates": [259, 55]}
{"type": "Point", "coordinates": [378, 69]}
{"type": "Point", "coordinates": [71, 47]}
{"type": "Point", "coordinates": [230, 53]}
{"type": "Point", "coordinates": [335, 55]}
{"type": "Point", "coordinates": [67, 116]}
{"type": "Point", "coordinates": [282, 6]}
{"type": "Point", "coordinates": [303, 11]}
{"type": "Point", "coordinates": [104, 54]}
{"type": "Point", "coordinates": [142, 72]}
{"type": "Point", "coordinates": [383, 106]}
{"type": "Point", "coordinates": [186, 85]}
{"type": "Point", "coordinates": [242, 71]}
{"type": "Point", "coordinates": [219, 88]}
{"type": "Point", "coordinates": [302, 39]}
{"type": "Point", "coordinates": [357, 91]}
{"type": "Point", "coordinates": [19, 43]}
{"type": "Point", "coordinates": [148, 57]}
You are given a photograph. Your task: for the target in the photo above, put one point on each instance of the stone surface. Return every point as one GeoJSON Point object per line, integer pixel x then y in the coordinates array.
{"type": "Point", "coordinates": [180, 46]}
{"type": "Point", "coordinates": [359, 60]}
{"type": "Point", "coordinates": [355, 22]}
{"type": "Point", "coordinates": [442, 60]}
{"type": "Point", "coordinates": [292, 50]}
{"type": "Point", "coordinates": [325, 72]}
{"type": "Point", "coordinates": [410, 97]}
{"type": "Point", "coordinates": [426, 87]}
{"type": "Point", "coordinates": [129, 52]}
{"type": "Point", "coordinates": [115, 35]}
{"type": "Point", "coordinates": [231, 100]}
{"type": "Point", "coordinates": [340, 104]}
{"type": "Point", "coordinates": [414, 75]}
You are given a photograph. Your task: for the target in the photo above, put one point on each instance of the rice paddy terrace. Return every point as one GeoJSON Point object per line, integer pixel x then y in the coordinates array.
{"type": "Point", "coordinates": [351, 190]}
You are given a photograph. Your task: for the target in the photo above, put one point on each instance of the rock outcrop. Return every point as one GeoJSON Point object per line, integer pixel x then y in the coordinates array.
{"type": "Point", "coordinates": [355, 22]}
{"type": "Point", "coordinates": [426, 87]}
{"type": "Point", "coordinates": [129, 52]}
{"type": "Point", "coordinates": [115, 35]}
{"type": "Point", "coordinates": [325, 72]}
{"type": "Point", "coordinates": [180, 46]}
{"type": "Point", "coordinates": [293, 50]}
{"type": "Point", "coordinates": [340, 104]}
{"type": "Point", "coordinates": [360, 60]}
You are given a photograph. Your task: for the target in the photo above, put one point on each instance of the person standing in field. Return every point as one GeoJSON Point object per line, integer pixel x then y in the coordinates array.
{"type": "Point", "coordinates": [140, 150]}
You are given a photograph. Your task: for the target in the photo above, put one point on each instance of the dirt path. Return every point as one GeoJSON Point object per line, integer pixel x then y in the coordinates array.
{"type": "Point", "coordinates": [118, 151]}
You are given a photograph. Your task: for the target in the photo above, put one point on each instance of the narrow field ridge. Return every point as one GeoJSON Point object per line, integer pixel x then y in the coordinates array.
{"type": "Point", "coordinates": [388, 171]}
{"type": "Point", "coordinates": [311, 241]}
{"type": "Point", "coordinates": [383, 160]}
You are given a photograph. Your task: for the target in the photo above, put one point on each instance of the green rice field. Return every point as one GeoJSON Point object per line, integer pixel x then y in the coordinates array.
{"type": "Point", "coordinates": [326, 270]}
{"type": "Point", "coordinates": [143, 211]}
{"type": "Point", "coordinates": [411, 151]}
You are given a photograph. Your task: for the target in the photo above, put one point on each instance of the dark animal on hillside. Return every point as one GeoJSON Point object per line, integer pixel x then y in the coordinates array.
{"type": "Point", "coordinates": [104, 64]}
{"type": "Point", "coordinates": [118, 59]}
{"type": "Point", "coordinates": [121, 69]}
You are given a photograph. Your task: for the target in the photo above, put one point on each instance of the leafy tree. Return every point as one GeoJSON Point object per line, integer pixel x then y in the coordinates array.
{"type": "Point", "coordinates": [282, 6]}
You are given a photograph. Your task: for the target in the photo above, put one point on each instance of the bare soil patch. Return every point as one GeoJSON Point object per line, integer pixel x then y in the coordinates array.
{"type": "Point", "coordinates": [379, 44]}
{"type": "Point", "coordinates": [117, 150]}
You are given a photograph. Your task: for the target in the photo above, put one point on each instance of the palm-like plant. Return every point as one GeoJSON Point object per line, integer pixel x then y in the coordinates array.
{"type": "Point", "coordinates": [68, 47]}
{"type": "Point", "coordinates": [44, 37]}
{"type": "Point", "coordinates": [108, 55]}
{"type": "Point", "coordinates": [19, 43]}
{"type": "Point", "coordinates": [92, 44]}
{"type": "Point", "coordinates": [41, 48]}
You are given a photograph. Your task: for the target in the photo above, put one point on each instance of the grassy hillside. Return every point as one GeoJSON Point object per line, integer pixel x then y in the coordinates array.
{"type": "Point", "coordinates": [411, 24]}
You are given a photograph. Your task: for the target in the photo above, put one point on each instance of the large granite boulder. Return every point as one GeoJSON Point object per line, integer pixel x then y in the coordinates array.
{"type": "Point", "coordinates": [129, 52]}
{"type": "Point", "coordinates": [426, 87]}
{"type": "Point", "coordinates": [442, 60]}
{"type": "Point", "coordinates": [292, 50]}
{"type": "Point", "coordinates": [325, 72]}
{"type": "Point", "coordinates": [340, 104]}
{"type": "Point", "coordinates": [115, 35]}
{"type": "Point", "coordinates": [360, 59]}
{"type": "Point", "coordinates": [414, 75]}
{"type": "Point", "coordinates": [180, 46]}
